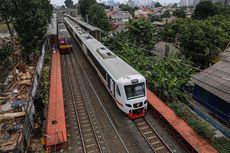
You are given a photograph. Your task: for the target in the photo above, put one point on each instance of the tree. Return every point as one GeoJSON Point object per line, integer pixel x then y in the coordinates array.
{"type": "Point", "coordinates": [166, 14]}
{"type": "Point", "coordinates": [125, 7]}
{"type": "Point", "coordinates": [155, 18]}
{"type": "Point", "coordinates": [199, 40]}
{"type": "Point", "coordinates": [97, 17]}
{"type": "Point", "coordinates": [30, 22]}
{"type": "Point", "coordinates": [205, 9]}
{"type": "Point", "coordinates": [5, 11]}
{"type": "Point", "coordinates": [142, 32]}
{"type": "Point", "coordinates": [179, 13]}
{"type": "Point", "coordinates": [69, 3]}
{"type": "Point", "coordinates": [84, 6]}
{"type": "Point", "coordinates": [157, 4]}
{"type": "Point", "coordinates": [174, 5]}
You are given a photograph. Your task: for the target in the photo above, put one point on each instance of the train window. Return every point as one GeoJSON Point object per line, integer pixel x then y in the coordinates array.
{"type": "Point", "coordinates": [97, 64]}
{"type": "Point", "coordinates": [135, 90]}
{"type": "Point", "coordinates": [118, 91]}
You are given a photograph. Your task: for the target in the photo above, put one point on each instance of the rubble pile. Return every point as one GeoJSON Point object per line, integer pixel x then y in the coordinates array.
{"type": "Point", "coordinates": [13, 99]}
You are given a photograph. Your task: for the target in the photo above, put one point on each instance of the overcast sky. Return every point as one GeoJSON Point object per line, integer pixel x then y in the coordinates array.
{"type": "Point", "coordinates": [61, 2]}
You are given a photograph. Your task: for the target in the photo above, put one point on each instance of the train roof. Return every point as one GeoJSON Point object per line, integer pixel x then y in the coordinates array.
{"type": "Point", "coordinates": [83, 24]}
{"type": "Point", "coordinates": [113, 64]}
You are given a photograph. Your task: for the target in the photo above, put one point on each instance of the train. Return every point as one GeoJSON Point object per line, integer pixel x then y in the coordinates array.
{"type": "Point", "coordinates": [64, 39]}
{"type": "Point", "coordinates": [126, 86]}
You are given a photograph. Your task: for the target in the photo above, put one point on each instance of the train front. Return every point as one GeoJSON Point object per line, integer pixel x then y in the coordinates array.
{"type": "Point", "coordinates": [134, 95]}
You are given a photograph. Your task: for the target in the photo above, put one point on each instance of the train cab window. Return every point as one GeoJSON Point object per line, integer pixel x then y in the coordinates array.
{"type": "Point", "coordinates": [118, 91]}
{"type": "Point", "coordinates": [135, 90]}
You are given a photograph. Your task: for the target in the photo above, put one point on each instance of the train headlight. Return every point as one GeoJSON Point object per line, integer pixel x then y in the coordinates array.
{"type": "Point", "coordinates": [128, 105]}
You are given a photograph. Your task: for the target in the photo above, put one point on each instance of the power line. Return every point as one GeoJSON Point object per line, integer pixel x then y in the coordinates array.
{"type": "Point", "coordinates": [185, 65]}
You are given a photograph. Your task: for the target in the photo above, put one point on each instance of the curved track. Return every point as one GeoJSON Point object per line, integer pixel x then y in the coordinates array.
{"type": "Point", "coordinates": [151, 136]}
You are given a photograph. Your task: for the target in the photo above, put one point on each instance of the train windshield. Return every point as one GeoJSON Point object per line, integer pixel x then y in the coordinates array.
{"type": "Point", "coordinates": [135, 90]}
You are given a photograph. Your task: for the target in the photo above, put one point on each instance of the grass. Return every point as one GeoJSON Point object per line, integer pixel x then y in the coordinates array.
{"type": "Point", "coordinates": [3, 27]}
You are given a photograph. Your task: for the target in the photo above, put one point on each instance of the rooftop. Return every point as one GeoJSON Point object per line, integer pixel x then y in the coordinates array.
{"type": "Point", "coordinates": [216, 79]}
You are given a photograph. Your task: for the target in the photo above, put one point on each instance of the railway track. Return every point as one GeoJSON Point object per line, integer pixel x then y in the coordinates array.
{"type": "Point", "coordinates": [151, 136]}
{"type": "Point", "coordinates": [91, 139]}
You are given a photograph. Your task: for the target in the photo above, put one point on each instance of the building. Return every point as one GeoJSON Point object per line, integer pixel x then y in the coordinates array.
{"type": "Point", "coordinates": [183, 3]}
{"type": "Point", "coordinates": [193, 2]}
{"type": "Point", "coordinates": [131, 3]}
{"type": "Point", "coordinates": [227, 2]}
{"type": "Point", "coordinates": [109, 2]}
{"type": "Point", "coordinates": [141, 13]}
{"type": "Point", "coordinates": [212, 88]}
{"type": "Point", "coordinates": [120, 16]}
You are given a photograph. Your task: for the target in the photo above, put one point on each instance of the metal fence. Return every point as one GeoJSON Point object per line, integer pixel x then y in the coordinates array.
{"type": "Point", "coordinates": [30, 108]}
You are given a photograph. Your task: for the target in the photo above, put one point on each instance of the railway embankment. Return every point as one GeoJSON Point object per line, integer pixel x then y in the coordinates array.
{"type": "Point", "coordinates": [198, 144]}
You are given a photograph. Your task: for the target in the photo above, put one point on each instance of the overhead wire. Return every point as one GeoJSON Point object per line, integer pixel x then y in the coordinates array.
{"type": "Point", "coordinates": [202, 71]}
{"type": "Point", "coordinates": [197, 69]}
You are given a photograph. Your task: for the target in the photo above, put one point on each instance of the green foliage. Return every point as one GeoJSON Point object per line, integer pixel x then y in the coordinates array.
{"type": "Point", "coordinates": [142, 32]}
{"type": "Point", "coordinates": [69, 3]}
{"type": "Point", "coordinates": [205, 9]}
{"type": "Point", "coordinates": [157, 4]}
{"type": "Point", "coordinates": [155, 18]}
{"type": "Point", "coordinates": [166, 14]}
{"type": "Point", "coordinates": [31, 28]}
{"type": "Point", "coordinates": [222, 145]}
{"type": "Point", "coordinates": [179, 13]}
{"type": "Point", "coordinates": [221, 21]}
{"type": "Point", "coordinates": [204, 41]}
{"type": "Point", "coordinates": [5, 13]}
{"type": "Point", "coordinates": [5, 63]}
{"type": "Point", "coordinates": [201, 127]}
{"type": "Point", "coordinates": [44, 88]}
{"type": "Point", "coordinates": [174, 5]}
{"type": "Point", "coordinates": [199, 40]}
{"type": "Point", "coordinates": [30, 21]}
{"type": "Point", "coordinates": [125, 7]}
{"type": "Point", "coordinates": [97, 17]}
{"type": "Point", "coordinates": [84, 6]}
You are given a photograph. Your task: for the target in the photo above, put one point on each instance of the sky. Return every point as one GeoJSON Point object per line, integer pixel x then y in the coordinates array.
{"type": "Point", "coordinates": [61, 2]}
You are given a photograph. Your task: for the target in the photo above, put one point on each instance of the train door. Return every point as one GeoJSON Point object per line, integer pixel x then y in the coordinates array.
{"type": "Point", "coordinates": [112, 86]}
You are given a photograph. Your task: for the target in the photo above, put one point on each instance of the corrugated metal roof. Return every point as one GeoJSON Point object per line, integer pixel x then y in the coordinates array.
{"type": "Point", "coordinates": [216, 79]}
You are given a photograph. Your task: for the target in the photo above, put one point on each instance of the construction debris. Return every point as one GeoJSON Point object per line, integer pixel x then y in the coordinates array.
{"type": "Point", "coordinates": [8, 116]}
{"type": "Point", "coordinates": [13, 98]}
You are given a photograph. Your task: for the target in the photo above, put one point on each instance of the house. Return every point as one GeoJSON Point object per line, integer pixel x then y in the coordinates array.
{"type": "Point", "coordinates": [120, 16]}
{"type": "Point", "coordinates": [212, 88]}
{"type": "Point", "coordinates": [160, 48]}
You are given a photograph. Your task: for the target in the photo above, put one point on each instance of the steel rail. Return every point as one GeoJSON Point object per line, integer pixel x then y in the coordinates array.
{"type": "Point", "coordinates": [74, 103]}
{"type": "Point", "coordinates": [100, 102]}
{"type": "Point", "coordinates": [156, 143]}
{"type": "Point", "coordinates": [91, 116]}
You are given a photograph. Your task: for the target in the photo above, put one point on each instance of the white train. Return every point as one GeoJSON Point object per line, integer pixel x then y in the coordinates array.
{"type": "Point", "coordinates": [125, 84]}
